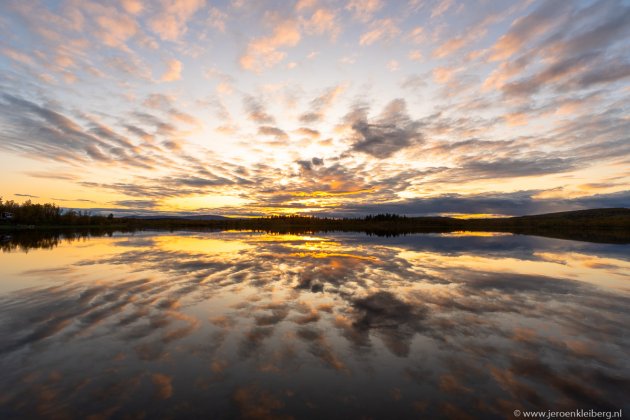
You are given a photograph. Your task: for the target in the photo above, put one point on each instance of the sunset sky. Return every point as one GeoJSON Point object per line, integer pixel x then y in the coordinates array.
{"type": "Point", "coordinates": [314, 106]}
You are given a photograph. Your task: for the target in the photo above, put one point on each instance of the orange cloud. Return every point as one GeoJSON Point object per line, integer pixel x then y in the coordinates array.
{"type": "Point", "coordinates": [132, 6]}
{"type": "Point", "coordinates": [443, 74]}
{"type": "Point", "coordinates": [173, 71]}
{"type": "Point", "coordinates": [171, 23]}
{"type": "Point", "coordinates": [414, 55]}
{"type": "Point", "coordinates": [115, 29]}
{"type": "Point", "coordinates": [323, 21]}
{"type": "Point", "coordinates": [262, 53]}
{"type": "Point", "coordinates": [163, 385]}
{"type": "Point", "coordinates": [380, 30]}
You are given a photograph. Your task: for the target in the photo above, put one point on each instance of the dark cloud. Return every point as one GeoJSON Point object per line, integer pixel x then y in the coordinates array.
{"type": "Point", "coordinates": [392, 131]}
{"type": "Point", "coordinates": [507, 168]}
{"type": "Point", "coordinates": [580, 52]}
{"type": "Point", "coordinates": [73, 199]}
{"type": "Point", "coordinates": [266, 130]}
{"type": "Point", "coordinates": [515, 204]}
{"type": "Point", "coordinates": [557, 71]}
{"type": "Point", "coordinates": [158, 101]}
{"type": "Point", "coordinates": [256, 111]}
{"type": "Point", "coordinates": [26, 195]}
{"type": "Point", "coordinates": [308, 132]}
{"type": "Point", "coordinates": [44, 132]}
{"type": "Point", "coordinates": [52, 175]}
{"type": "Point", "coordinates": [308, 165]}
{"type": "Point", "coordinates": [414, 83]}
{"type": "Point", "coordinates": [609, 72]}
{"type": "Point", "coordinates": [529, 27]}
{"type": "Point", "coordinates": [136, 204]}
{"type": "Point", "coordinates": [320, 105]}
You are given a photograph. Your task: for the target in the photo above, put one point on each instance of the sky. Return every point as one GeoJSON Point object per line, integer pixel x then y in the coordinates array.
{"type": "Point", "coordinates": [248, 108]}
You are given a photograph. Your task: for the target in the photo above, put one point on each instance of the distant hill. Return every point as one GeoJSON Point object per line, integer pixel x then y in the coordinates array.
{"type": "Point", "coordinates": [595, 225]}
{"type": "Point", "coordinates": [581, 214]}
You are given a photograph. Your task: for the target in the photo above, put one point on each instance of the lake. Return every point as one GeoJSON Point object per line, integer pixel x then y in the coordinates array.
{"type": "Point", "coordinates": [338, 325]}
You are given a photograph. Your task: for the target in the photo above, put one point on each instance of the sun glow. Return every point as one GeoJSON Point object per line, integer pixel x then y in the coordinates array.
{"type": "Point", "coordinates": [204, 202]}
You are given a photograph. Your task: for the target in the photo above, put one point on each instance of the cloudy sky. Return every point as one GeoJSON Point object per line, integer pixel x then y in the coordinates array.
{"type": "Point", "coordinates": [327, 107]}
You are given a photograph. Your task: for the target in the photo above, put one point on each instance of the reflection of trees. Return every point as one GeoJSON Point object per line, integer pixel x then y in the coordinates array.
{"type": "Point", "coordinates": [27, 239]}
{"type": "Point", "coordinates": [454, 338]}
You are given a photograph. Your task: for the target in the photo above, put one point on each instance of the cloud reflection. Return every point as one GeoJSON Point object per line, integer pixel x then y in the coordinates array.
{"type": "Point", "coordinates": [317, 319]}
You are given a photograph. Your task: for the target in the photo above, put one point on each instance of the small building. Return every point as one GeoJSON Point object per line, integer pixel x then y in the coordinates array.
{"type": "Point", "coordinates": [5, 215]}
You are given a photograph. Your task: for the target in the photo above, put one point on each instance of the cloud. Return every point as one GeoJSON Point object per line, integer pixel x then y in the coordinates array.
{"type": "Point", "coordinates": [380, 30]}
{"type": "Point", "coordinates": [416, 35]}
{"type": "Point", "coordinates": [53, 175]}
{"type": "Point", "coordinates": [554, 73]}
{"type": "Point", "coordinates": [414, 55]}
{"type": "Point", "coordinates": [114, 29]}
{"type": "Point", "coordinates": [272, 131]}
{"type": "Point", "coordinates": [414, 83]}
{"type": "Point", "coordinates": [49, 133]}
{"type": "Point", "coordinates": [132, 6]}
{"type": "Point", "coordinates": [263, 53]}
{"type": "Point", "coordinates": [512, 204]}
{"type": "Point", "coordinates": [530, 27]}
{"type": "Point", "coordinates": [173, 71]}
{"type": "Point", "coordinates": [364, 10]}
{"type": "Point", "coordinates": [577, 53]}
{"type": "Point", "coordinates": [171, 22]}
{"type": "Point", "coordinates": [53, 134]}
{"type": "Point", "coordinates": [256, 111]}
{"type": "Point", "coordinates": [441, 7]}
{"type": "Point", "coordinates": [512, 167]}
{"type": "Point", "coordinates": [307, 165]}
{"type": "Point", "coordinates": [217, 19]}
{"type": "Point", "coordinates": [323, 22]}
{"type": "Point", "coordinates": [443, 74]}
{"type": "Point", "coordinates": [321, 104]}
{"type": "Point", "coordinates": [130, 65]}
{"type": "Point", "coordinates": [136, 204]}
{"type": "Point", "coordinates": [393, 65]}
{"type": "Point", "coordinates": [163, 385]}
{"type": "Point", "coordinates": [392, 131]}
{"type": "Point", "coordinates": [308, 132]}
{"type": "Point", "coordinates": [158, 101]}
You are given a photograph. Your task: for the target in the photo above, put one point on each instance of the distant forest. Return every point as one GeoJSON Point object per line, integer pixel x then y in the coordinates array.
{"type": "Point", "coordinates": [29, 213]}
{"type": "Point", "coordinates": [610, 224]}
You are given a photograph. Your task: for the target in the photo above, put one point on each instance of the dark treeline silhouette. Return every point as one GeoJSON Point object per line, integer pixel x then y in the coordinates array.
{"type": "Point", "coordinates": [597, 225]}
{"type": "Point", "coordinates": [28, 213]}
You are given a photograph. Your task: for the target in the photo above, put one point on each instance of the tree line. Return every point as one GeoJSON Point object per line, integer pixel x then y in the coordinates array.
{"type": "Point", "coordinates": [29, 213]}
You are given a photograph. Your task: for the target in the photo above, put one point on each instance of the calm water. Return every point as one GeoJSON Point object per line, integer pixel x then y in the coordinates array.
{"type": "Point", "coordinates": [239, 324]}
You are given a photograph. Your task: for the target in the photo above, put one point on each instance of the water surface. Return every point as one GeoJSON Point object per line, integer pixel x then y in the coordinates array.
{"type": "Point", "coordinates": [243, 324]}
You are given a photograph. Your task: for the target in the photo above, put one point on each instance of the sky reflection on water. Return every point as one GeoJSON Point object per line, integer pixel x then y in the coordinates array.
{"type": "Point", "coordinates": [240, 324]}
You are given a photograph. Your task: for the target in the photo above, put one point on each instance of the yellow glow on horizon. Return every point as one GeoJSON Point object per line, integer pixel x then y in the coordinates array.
{"type": "Point", "coordinates": [207, 201]}
{"type": "Point", "coordinates": [474, 216]}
